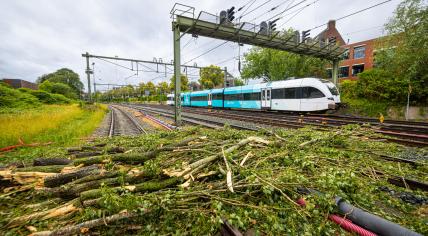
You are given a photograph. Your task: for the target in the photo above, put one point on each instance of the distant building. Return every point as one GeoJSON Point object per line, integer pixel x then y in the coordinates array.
{"type": "Point", "coordinates": [19, 83]}
{"type": "Point", "coordinates": [357, 57]}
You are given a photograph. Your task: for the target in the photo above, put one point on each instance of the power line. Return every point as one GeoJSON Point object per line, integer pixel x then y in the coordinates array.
{"type": "Point", "coordinates": [362, 30]}
{"type": "Point", "coordinates": [351, 14]}
{"type": "Point", "coordinates": [221, 44]}
{"type": "Point", "coordinates": [258, 7]}
{"type": "Point", "coordinates": [285, 10]}
{"type": "Point", "coordinates": [297, 11]}
{"type": "Point", "coordinates": [243, 13]}
{"type": "Point", "coordinates": [272, 9]}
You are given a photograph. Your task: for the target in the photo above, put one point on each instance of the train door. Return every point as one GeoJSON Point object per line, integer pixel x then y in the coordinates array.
{"type": "Point", "coordinates": [266, 98]}
{"type": "Point", "coordinates": [210, 98]}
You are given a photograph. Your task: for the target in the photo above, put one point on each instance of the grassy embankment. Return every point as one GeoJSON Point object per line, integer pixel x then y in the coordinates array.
{"type": "Point", "coordinates": [63, 125]}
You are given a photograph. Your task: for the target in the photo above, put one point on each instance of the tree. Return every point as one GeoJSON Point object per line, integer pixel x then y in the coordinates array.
{"type": "Point", "coordinates": [403, 53]}
{"type": "Point", "coordinates": [65, 76]}
{"type": "Point", "coordinates": [184, 83]}
{"type": "Point", "coordinates": [58, 88]}
{"type": "Point", "coordinates": [238, 82]}
{"type": "Point", "coordinates": [164, 88]}
{"type": "Point", "coordinates": [211, 77]}
{"type": "Point", "coordinates": [270, 64]}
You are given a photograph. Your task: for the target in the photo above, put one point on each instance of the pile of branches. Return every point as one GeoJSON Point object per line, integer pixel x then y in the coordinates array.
{"type": "Point", "coordinates": [198, 181]}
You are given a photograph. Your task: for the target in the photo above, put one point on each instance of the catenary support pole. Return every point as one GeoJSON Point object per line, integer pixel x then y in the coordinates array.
{"type": "Point", "coordinates": [225, 77]}
{"type": "Point", "coordinates": [335, 71]}
{"type": "Point", "coordinates": [88, 74]}
{"type": "Point", "coordinates": [177, 73]}
{"type": "Point", "coordinates": [93, 76]}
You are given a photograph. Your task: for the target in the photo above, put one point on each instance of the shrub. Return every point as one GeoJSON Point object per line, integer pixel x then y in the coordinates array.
{"type": "Point", "coordinates": [43, 96]}
{"type": "Point", "coordinates": [60, 99]}
{"type": "Point", "coordinates": [13, 98]}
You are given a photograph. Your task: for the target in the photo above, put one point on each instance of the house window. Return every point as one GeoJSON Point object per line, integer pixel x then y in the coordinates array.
{"type": "Point", "coordinates": [359, 52]}
{"type": "Point", "coordinates": [329, 73]}
{"type": "Point", "coordinates": [344, 72]}
{"type": "Point", "coordinates": [356, 69]}
{"type": "Point", "coordinates": [345, 55]}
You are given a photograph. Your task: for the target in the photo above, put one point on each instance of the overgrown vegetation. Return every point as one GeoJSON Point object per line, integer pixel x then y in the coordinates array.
{"type": "Point", "coordinates": [63, 81]}
{"type": "Point", "coordinates": [23, 98]}
{"type": "Point", "coordinates": [186, 182]}
{"type": "Point", "coordinates": [60, 124]}
{"type": "Point", "coordinates": [400, 63]}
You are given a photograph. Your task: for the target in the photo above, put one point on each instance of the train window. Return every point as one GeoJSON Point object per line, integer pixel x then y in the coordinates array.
{"type": "Point", "coordinates": [217, 96]}
{"type": "Point", "coordinates": [199, 98]}
{"type": "Point", "coordinates": [287, 93]}
{"type": "Point", "coordinates": [277, 93]}
{"type": "Point", "coordinates": [247, 96]}
{"type": "Point", "coordinates": [290, 93]}
{"type": "Point", "coordinates": [310, 92]}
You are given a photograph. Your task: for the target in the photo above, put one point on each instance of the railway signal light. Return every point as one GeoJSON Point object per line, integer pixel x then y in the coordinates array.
{"type": "Point", "coordinates": [272, 25]}
{"type": "Point", "coordinates": [230, 14]}
{"type": "Point", "coordinates": [305, 35]}
{"type": "Point", "coordinates": [263, 28]}
{"type": "Point", "coordinates": [223, 16]}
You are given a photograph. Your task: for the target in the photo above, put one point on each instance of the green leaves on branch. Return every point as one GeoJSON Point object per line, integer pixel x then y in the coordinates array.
{"type": "Point", "coordinates": [211, 77]}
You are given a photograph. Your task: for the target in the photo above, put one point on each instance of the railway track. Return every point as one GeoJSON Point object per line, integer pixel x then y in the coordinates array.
{"type": "Point", "coordinates": [408, 133]}
{"type": "Point", "coordinates": [122, 123]}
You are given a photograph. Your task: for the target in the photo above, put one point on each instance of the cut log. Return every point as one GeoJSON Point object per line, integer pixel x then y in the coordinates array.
{"type": "Point", "coordinates": [132, 158]}
{"type": "Point", "coordinates": [69, 207]}
{"type": "Point", "coordinates": [64, 178]}
{"type": "Point", "coordinates": [51, 161]}
{"type": "Point", "coordinates": [87, 154]}
{"type": "Point", "coordinates": [77, 229]}
{"type": "Point", "coordinates": [47, 169]}
{"type": "Point", "coordinates": [24, 177]}
{"type": "Point", "coordinates": [148, 186]}
{"type": "Point", "coordinates": [72, 190]}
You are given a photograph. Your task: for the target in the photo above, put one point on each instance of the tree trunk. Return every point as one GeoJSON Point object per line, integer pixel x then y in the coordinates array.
{"type": "Point", "coordinates": [51, 161]}
{"type": "Point", "coordinates": [61, 179]}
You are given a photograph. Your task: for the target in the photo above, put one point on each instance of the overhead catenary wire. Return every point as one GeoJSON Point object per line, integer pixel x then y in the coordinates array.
{"type": "Point", "coordinates": [243, 13]}
{"type": "Point", "coordinates": [206, 52]}
{"type": "Point", "coordinates": [354, 13]}
{"type": "Point", "coordinates": [279, 15]}
{"type": "Point", "coordinates": [258, 7]}
{"type": "Point", "coordinates": [297, 12]}
{"type": "Point", "coordinates": [272, 9]}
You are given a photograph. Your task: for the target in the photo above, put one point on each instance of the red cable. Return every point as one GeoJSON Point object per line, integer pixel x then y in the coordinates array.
{"type": "Point", "coordinates": [344, 223]}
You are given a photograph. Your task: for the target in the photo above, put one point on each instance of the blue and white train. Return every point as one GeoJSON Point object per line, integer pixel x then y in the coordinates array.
{"type": "Point", "coordinates": [301, 95]}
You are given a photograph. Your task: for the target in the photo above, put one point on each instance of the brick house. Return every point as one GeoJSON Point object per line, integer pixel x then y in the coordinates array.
{"type": "Point", "coordinates": [19, 83]}
{"type": "Point", "coordinates": [358, 56]}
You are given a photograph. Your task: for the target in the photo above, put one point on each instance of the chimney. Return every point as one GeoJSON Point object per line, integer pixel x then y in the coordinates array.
{"type": "Point", "coordinates": [331, 24]}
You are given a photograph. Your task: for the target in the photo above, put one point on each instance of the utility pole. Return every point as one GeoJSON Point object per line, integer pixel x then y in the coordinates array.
{"type": "Point", "coordinates": [225, 77]}
{"type": "Point", "coordinates": [88, 74]}
{"type": "Point", "coordinates": [335, 71]}
{"type": "Point", "coordinates": [177, 72]}
{"type": "Point", "coordinates": [93, 76]}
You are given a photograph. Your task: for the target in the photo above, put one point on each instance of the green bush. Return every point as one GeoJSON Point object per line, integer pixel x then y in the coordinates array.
{"type": "Point", "coordinates": [376, 85]}
{"type": "Point", "coordinates": [12, 98]}
{"type": "Point", "coordinates": [61, 99]}
{"type": "Point", "coordinates": [58, 88]}
{"type": "Point", "coordinates": [50, 98]}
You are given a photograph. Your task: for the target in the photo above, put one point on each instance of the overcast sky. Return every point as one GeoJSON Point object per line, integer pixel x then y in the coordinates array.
{"type": "Point", "coordinates": [41, 36]}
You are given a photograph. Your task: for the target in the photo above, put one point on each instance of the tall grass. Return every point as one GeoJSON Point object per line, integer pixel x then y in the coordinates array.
{"type": "Point", "coordinates": [61, 124]}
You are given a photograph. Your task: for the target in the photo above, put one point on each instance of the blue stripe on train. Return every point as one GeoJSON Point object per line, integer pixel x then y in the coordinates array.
{"type": "Point", "coordinates": [243, 104]}
{"type": "Point", "coordinates": [217, 103]}
{"type": "Point", "coordinates": [199, 103]}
